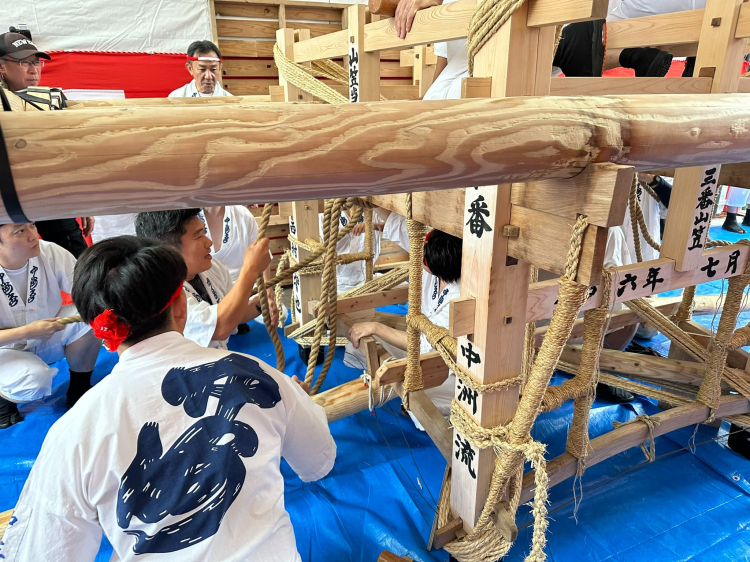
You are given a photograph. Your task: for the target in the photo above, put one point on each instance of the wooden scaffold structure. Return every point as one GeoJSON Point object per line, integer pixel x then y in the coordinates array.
{"type": "Point", "coordinates": [529, 171]}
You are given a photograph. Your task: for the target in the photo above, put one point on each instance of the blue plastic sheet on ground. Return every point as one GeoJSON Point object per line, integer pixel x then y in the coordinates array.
{"type": "Point", "coordinates": [382, 491]}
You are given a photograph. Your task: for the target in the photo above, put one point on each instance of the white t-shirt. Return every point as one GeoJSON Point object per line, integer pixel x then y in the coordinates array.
{"type": "Point", "coordinates": [190, 91]}
{"type": "Point", "coordinates": [351, 275]}
{"type": "Point", "coordinates": [109, 226]}
{"type": "Point", "coordinates": [202, 316]}
{"type": "Point", "coordinates": [182, 462]}
{"type": "Point", "coordinates": [616, 253]}
{"type": "Point", "coordinates": [435, 306]}
{"type": "Point", "coordinates": [447, 86]}
{"type": "Point", "coordinates": [39, 296]}
{"type": "Point", "coordinates": [628, 9]}
{"type": "Point", "coordinates": [239, 231]}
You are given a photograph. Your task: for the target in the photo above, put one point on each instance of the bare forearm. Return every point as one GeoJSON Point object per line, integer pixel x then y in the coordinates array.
{"type": "Point", "coordinates": [234, 308]}
{"type": "Point", "coordinates": [13, 335]}
{"type": "Point", "coordinates": [390, 335]}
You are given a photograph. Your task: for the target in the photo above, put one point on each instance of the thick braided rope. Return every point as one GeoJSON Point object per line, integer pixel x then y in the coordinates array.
{"type": "Point", "coordinates": [295, 74]}
{"type": "Point", "coordinates": [645, 310]}
{"type": "Point", "coordinates": [710, 390]}
{"type": "Point", "coordinates": [717, 243]}
{"type": "Point", "coordinates": [513, 443]}
{"type": "Point", "coordinates": [331, 224]}
{"type": "Point", "coordinates": [638, 222]}
{"type": "Point", "coordinates": [332, 316]}
{"type": "Point", "coordinates": [649, 190]}
{"type": "Point", "coordinates": [263, 295]}
{"type": "Point", "coordinates": [369, 250]}
{"type": "Point", "coordinates": [651, 424]}
{"type": "Point", "coordinates": [69, 319]}
{"type": "Point", "coordinates": [486, 21]}
{"type": "Point", "coordinates": [413, 375]}
{"type": "Point", "coordinates": [687, 304]}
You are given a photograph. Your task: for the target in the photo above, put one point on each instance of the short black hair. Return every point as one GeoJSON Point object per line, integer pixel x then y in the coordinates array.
{"type": "Point", "coordinates": [134, 277]}
{"type": "Point", "coordinates": [202, 48]}
{"type": "Point", "coordinates": [167, 226]}
{"type": "Point", "coordinates": [443, 255]}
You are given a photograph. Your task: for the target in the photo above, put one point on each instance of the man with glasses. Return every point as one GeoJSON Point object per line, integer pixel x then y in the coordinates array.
{"type": "Point", "coordinates": [21, 66]}
{"type": "Point", "coordinates": [204, 65]}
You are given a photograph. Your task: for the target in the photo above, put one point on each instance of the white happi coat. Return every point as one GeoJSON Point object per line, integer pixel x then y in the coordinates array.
{"type": "Point", "coordinates": [651, 215]}
{"type": "Point", "coordinates": [24, 371]}
{"type": "Point", "coordinates": [435, 305]}
{"type": "Point", "coordinates": [190, 91]}
{"type": "Point", "coordinates": [351, 275]}
{"type": "Point", "coordinates": [447, 86]}
{"type": "Point", "coordinates": [239, 231]}
{"type": "Point", "coordinates": [202, 316]}
{"type": "Point", "coordinates": [181, 464]}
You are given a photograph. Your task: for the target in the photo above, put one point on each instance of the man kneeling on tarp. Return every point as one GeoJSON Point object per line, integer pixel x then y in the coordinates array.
{"type": "Point", "coordinates": [215, 305]}
{"type": "Point", "coordinates": [32, 274]}
{"type": "Point", "coordinates": [441, 284]}
{"type": "Point", "coordinates": [176, 454]}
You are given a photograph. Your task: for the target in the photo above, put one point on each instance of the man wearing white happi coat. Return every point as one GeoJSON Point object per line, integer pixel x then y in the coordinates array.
{"type": "Point", "coordinates": [204, 65]}
{"type": "Point", "coordinates": [176, 455]}
{"type": "Point", "coordinates": [439, 288]}
{"type": "Point", "coordinates": [352, 275]}
{"type": "Point", "coordinates": [32, 274]}
{"type": "Point", "coordinates": [215, 306]}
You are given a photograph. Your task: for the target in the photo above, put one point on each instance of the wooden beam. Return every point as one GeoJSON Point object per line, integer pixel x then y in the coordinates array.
{"type": "Point", "coordinates": [568, 86]}
{"type": "Point", "coordinates": [430, 418]}
{"type": "Point", "coordinates": [397, 295]}
{"type": "Point", "coordinates": [600, 192]}
{"type": "Point", "coordinates": [432, 366]}
{"type": "Point", "coordinates": [730, 174]}
{"type": "Point", "coordinates": [544, 240]}
{"type": "Point", "coordinates": [364, 68]}
{"type": "Point", "coordinates": [406, 57]}
{"type": "Point", "coordinates": [424, 73]}
{"type": "Point", "coordinates": [544, 13]}
{"type": "Point", "coordinates": [443, 210]}
{"type": "Point", "coordinates": [462, 312]}
{"type": "Point", "coordinates": [743, 23]}
{"type": "Point", "coordinates": [638, 280]}
{"type": "Point", "coordinates": [330, 46]}
{"type": "Point", "coordinates": [304, 224]}
{"type": "Point", "coordinates": [472, 87]}
{"type": "Point", "coordinates": [176, 157]}
{"type": "Point", "coordinates": [663, 29]}
{"type": "Point", "coordinates": [632, 435]}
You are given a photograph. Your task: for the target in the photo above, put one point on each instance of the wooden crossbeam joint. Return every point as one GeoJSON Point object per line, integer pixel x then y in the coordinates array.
{"type": "Point", "coordinates": [462, 317]}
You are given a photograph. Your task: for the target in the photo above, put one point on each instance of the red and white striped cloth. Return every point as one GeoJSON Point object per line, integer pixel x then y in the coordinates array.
{"type": "Point", "coordinates": [107, 49]}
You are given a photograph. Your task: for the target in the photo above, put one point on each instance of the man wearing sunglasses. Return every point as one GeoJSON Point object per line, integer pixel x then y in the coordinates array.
{"type": "Point", "coordinates": [21, 66]}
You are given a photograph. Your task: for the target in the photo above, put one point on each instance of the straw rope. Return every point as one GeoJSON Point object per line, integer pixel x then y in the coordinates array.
{"type": "Point", "coordinates": [687, 304]}
{"type": "Point", "coordinates": [486, 21]}
{"type": "Point", "coordinates": [296, 74]}
{"type": "Point", "coordinates": [529, 340]}
{"type": "Point", "coordinates": [263, 294]}
{"type": "Point", "coordinates": [651, 423]}
{"type": "Point", "coordinates": [638, 222]}
{"type": "Point", "coordinates": [69, 319]}
{"type": "Point", "coordinates": [512, 442]}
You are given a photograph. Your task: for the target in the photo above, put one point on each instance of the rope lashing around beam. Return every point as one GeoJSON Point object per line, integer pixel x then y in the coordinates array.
{"type": "Point", "coordinates": [263, 295]}
{"type": "Point", "coordinates": [651, 423]}
{"type": "Point", "coordinates": [513, 443]}
{"type": "Point", "coordinates": [413, 374]}
{"type": "Point", "coordinates": [487, 20]}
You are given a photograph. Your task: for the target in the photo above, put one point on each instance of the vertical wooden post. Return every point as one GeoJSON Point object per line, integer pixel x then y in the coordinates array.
{"type": "Point", "coordinates": [719, 56]}
{"type": "Point", "coordinates": [364, 68]}
{"type": "Point", "coordinates": [423, 73]}
{"type": "Point", "coordinates": [285, 40]}
{"type": "Point", "coordinates": [282, 16]}
{"type": "Point", "coordinates": [304, 224]}
{"type": "Point", "coordinates": [516, 60]}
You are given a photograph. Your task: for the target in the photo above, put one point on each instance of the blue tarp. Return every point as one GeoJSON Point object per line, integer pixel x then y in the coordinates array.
{"type": "Point", "coordinates": [382, 490]}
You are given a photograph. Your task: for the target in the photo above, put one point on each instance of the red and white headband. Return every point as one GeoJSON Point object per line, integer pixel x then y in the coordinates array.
{"type": "Point", "coordinates": [213, 59]}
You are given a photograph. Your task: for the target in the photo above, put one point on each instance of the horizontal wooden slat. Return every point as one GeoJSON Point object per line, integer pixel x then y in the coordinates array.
{"type": "Point", "coordinates": [440, 23]}
{"type": "Point", "coordinates": [317, 14]}
{"type": "Point", "coordinates": [615, 86]}
{"type": "Point", "coordinates": [267, 30]}
{"type": "Point", "coordinates": [390, 90]}
{"type": "Point", "coordinates": [250, 68]}
{"type": "Point", "coordinates": [242, 9]}
{"type": "Point", "coordinates": [666, 29]}
{"type": "Point", "coordinates": [629, 281]}
{"type": "Point", "coordinates": [262, 68]}
{"type": "Point", "coordinates": [328, 46]}
{"type": "Point", "coordinates": [254, 86]}
{"type": "Point", "coordinates": [246, 48]}
{"type": "Point", "coordinates": [542, 13]}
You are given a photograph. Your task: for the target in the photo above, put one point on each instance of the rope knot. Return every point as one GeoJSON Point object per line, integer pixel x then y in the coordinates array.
{"type": "Point", "coordinates": [651, 424]}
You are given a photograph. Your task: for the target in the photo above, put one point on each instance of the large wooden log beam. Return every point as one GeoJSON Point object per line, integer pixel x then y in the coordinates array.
{"type": "Point", "coordinates": [119, 160]}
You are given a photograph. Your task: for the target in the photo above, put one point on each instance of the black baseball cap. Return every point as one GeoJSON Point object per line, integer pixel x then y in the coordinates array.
{"type": "Point", "coordinates": [19, 47]}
